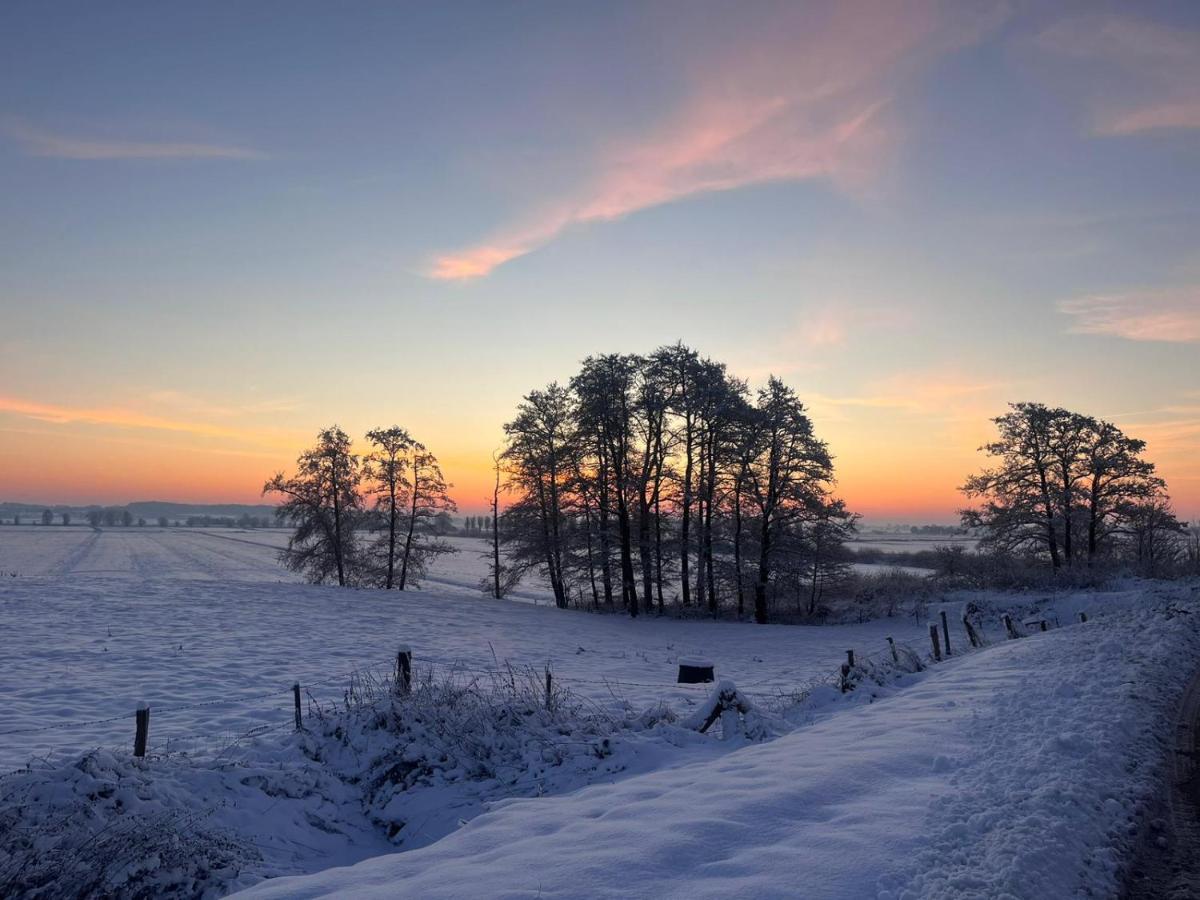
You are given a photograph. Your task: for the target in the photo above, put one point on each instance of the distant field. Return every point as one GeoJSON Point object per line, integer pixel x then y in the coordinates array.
{"type": "Point", "coordinates": [910, 543]}
{"type": "Point", "coordinates": [195, 554]}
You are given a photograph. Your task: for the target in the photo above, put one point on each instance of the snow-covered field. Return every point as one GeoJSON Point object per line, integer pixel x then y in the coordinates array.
{"type": "Point", "coordinates": [136, 619]}
{"type": "Point", "coordinates": [1015, 770]}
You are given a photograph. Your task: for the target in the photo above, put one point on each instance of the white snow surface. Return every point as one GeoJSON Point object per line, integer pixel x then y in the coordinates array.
{"type": "Point", "coordinates": [1015, 772]}
{"type": "Point", "coordinates": [215, 657]}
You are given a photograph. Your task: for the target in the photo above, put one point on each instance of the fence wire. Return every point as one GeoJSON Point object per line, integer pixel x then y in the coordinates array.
{"type": "Point", "coordinates": [781, 685]}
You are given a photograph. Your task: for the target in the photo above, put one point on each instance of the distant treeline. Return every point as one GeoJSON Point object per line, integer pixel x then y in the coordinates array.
{"type": "Point", "coordinates": [121, 516]}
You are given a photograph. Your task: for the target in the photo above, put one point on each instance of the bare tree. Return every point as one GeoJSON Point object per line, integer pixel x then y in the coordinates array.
{"type": "Point", "coordinates": [323, 503]}
{"type": "Point", "coordinates": [789, 471]}
{"type": "Point", "coordinates": [604, 388]}
{"type": "Point", "coordinates": [386, 466]}
{"type": "Point", "coordinates": [429, 510]}
{"type": "Point", "coordinates": [1060, 476]}
{"type": "Point", "coordinates": [540, 453]}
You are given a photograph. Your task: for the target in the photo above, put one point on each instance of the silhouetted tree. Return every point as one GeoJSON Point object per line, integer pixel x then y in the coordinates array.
{"type": "Point", "coordinates": [788, 475]}
{"type": "Point", "coordinates": [540, 453]}
{"type": "Point", "coordinates": [322, 502]}
{"type": "Point", "coordinates": [1061, 477]}
{"type": "Point", "coordinates": [428, 515]}
{"type": "Point", "coordinates": [47, 517]}
{"type": "Point", "coordinates": [387, 468]}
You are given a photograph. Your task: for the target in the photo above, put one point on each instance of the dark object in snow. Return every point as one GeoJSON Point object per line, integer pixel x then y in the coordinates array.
{"type": "Point", "coordinates": [695, 671]}
{"type": "Point", "coordinates": [1082, 618]}
{"type": "Point", "coordinates": [296, 699]}
{"type": "Point", "coordinates": [403, 669]}
{"type": "Point", "coordinates": [933, 638]}
{"type": "Point", "coordinates": [972, 635]}
{"type": "Point", "coordinates": [142, 734]}
{"type": "Point", "coordinates": [1008, 627]}
{"type": "Point", "coordinates": [946, 633]}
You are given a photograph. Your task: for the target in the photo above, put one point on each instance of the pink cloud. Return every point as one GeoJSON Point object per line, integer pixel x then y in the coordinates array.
{"type": "Point", "coordinates": [1148, 72]}
{"type": "Point", "coordinates": [807, 98]}
{"type": "Point", "coordinates": [1171, 316]}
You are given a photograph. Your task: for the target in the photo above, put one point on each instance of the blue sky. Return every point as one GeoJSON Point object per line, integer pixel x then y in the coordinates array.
{"type": "Point", "coordinates": [224, 226]}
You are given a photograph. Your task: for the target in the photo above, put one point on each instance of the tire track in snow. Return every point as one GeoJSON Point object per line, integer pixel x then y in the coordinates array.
{"type": "Point", "coordinates": [1167, 864]}
{"type": "Point", "coordinates": [75, 558]}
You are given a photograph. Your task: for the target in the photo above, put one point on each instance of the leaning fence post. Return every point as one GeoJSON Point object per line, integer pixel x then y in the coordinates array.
{"type": "Point", "coordinates": [895, 655]}
{"type": "Point", "coordinates": [1008, 626]}
{"type": "Point", "coordinates": [142, 733]}
{"type": "Point", "coordinates": [403, 669]}
{"type": "Point", "coordinates": [296, 698]}
{"type": "Point", "coordinates": [971, 635]}
{"type": "Point", "coordinates": [946, 633]}
{"type": "Point", "coordinates": [933, 637]}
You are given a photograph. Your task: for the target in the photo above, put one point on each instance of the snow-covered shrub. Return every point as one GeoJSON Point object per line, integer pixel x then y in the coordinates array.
{"type": "Point", "coordinates": [497, 729]}
{"type": "Point", "coordinates": [100, 828]}
{"type": "Point", "coordinates": [890, 593]}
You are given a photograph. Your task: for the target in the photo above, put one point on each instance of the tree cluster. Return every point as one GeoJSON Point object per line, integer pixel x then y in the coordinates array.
{"type": "Point", "coordinates": [373, 520]}
{"type": "Point", "coordinates": [657, 475]}
{"type": "Point", "coordinates": [1071, 489]}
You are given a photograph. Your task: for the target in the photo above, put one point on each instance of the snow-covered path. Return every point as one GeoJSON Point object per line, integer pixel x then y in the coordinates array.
{"type": "Point", "coordinates": [1015, 772]}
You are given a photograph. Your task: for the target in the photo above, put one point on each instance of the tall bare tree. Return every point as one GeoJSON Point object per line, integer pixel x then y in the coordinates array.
{"type": "Point", "coordinates": [322, 501]}
{"type": "Point", "coordinates": [429, 504]}
{"type": "Point", "coordinates": [790, 471]}
{"type": "Point", "coordinates": [386, 466]}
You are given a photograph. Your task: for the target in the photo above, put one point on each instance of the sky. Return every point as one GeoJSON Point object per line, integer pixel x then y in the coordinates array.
{"type": "Point", "coordinates": [224, 226]}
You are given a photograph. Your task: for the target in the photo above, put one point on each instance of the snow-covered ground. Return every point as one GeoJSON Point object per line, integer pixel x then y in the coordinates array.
{"type": "Point", "coordinates": [1010, 771]}
{"type": "Point", "coordinates": [92, 647]}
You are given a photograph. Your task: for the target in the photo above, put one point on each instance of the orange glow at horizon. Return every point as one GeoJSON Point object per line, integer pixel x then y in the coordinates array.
{"type": "Point", "coordinates": [915, 479]}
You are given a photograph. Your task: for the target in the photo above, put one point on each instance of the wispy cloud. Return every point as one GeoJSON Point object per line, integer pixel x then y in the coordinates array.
{"type": "Point", "coordinates": [809, 100]}
{"type": "Point", "coordinates": [1148, 72]}
{"type": "Point", "coordinates": [39, 142]}
{"type": "Point", "coordinates": [118, 417]}
{"type": "Point", "coordinates": [1172, 316]}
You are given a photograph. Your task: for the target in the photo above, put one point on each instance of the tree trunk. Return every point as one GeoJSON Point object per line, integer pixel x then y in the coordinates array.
{"type": "Point", "coordinates": [685, 516]}
{"type": "Point", "coordinates": [737, 549]}
{"type": "Point", "coordinates": [391, 560]}
{"type": "Point", "coordinates": [764, 572]}
{"type": "Point", "coordinates": [496, 536]}
{"type": "Point", "coordinates": [337, 524]}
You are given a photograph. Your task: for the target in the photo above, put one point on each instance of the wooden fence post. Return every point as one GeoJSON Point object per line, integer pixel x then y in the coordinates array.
{"type": "Point", "coordinates": [549, 686]}
{"type": "Point", "coordinates": [142, 734]}
{"type": "Point", "coordinates": [1044, 626]}
{"type": "Point", "coordinates": [972, 636]}
{"type": "Point", "coordinates": [946, 633]}
{"type": "Point", "coordinates": [1008, 627]}
{"type": "Point", "coordinates": [933, 638]}
{"type": "Point", "coordinates": [895, 656]}
{"type": "Point", "coordinates": [296, 698]}
{"type": "Point", "coordinates": [845, 682]}
{"type": "Point", "coordinates": [1082, 617]}
{"type": "Point", "coordinates": [850, 658]}
{"type": "Point", "coordinates": [403, 669]}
